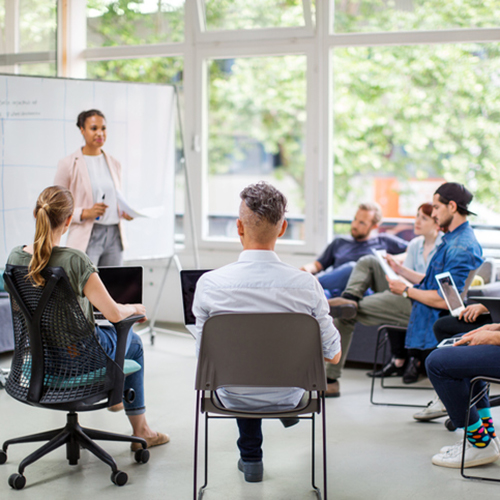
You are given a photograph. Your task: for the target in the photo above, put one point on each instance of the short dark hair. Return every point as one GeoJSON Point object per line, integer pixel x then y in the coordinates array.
{"type": "Point", "coordinates": [82, 117]}
{"type": "Point", "coordinates": [265, 201]}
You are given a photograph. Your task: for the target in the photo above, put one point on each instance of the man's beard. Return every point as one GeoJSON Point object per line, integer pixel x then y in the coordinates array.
{"type": "Point", "coordinates": [358, 236]}
{"type": "Point", "coordinates": [446, 224]}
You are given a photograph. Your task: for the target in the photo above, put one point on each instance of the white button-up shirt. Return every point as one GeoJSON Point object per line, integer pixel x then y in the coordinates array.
{"type": "Point", "coordinates": [260, 283]}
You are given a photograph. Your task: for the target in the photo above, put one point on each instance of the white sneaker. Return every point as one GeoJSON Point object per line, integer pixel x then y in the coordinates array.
{"type": "Point", "coordinates": [473, 456]}
{"type": "Point", "coordinates": [495, 442]}
{"type": "Point", "coordinates": [435, 409]}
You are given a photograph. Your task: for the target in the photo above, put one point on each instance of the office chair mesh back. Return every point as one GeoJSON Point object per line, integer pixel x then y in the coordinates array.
{"type": "Point", "coordinates": [57, 356]}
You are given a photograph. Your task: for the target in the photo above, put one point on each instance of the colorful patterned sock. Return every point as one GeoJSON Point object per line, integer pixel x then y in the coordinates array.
{"type": "Point", "coordinates": [477, 435]}
{"type": "Point", "coordinates": [485, 414]}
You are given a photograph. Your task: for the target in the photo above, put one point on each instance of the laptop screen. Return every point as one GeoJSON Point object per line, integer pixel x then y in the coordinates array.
{"type": "Point", "coordinates": [124, 284]}
{"type": "Point", "coordinates": [189, 278]}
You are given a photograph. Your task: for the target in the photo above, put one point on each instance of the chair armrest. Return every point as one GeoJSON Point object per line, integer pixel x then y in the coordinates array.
{"type": "Point", "coordinates": [122, 328]}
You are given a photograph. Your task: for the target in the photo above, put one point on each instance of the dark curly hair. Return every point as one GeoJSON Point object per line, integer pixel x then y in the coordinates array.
{"type": "Point", "coordinates": [265, 201]}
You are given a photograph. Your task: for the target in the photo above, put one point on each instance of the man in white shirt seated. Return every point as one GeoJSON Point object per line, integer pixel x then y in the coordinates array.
{"type": "Point", "coordinates": [260, 283]}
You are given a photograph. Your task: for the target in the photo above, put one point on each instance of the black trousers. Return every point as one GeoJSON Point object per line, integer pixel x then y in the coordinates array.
{"type": "Point", "coordinates": [250, 440]}
{"type": "Point", "coordinates": [448, 326]}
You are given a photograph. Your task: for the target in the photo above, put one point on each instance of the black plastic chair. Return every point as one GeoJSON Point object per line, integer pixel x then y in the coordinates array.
{"type": "Point", "coordinates": [381, 345]}
{"type": "Point", "coordinates": [260, 350]}
{"type": "Point", "coordinates": [59, 364]}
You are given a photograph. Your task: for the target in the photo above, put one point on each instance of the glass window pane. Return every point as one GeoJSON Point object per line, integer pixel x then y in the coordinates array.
{"type": "Point", "coordinates": [37, 30]}
{"type": "Point", "coordinates": [167, 70]}
{"type": "Point", "coordinates": [406, 118]}
{"type": "Point", "coordinates": [40, 69]}
{"type": "Point", "coordinates": [244, 14]}
{"type": "Point", "coordinates": [37, 25]}
{"type": "Point", "coordinates": [121, 22]}
{"type": "Point", "coordinates": [256, 131]}
{"type": "Point", "coordinates": [408, 15]}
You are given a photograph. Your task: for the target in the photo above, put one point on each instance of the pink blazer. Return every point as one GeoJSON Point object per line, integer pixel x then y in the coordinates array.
{"type": "Point", "coordinates": [72, 173]}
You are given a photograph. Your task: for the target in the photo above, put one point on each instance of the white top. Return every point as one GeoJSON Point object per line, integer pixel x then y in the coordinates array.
{"type": "Point", "coordinates": [102, 184]}
{"type": "Point", "coordinates": [415, 253]}
{"type": "Point", "coordinates": [260, 283]}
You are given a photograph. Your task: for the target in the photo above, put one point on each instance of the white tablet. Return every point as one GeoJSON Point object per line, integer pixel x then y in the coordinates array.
{"type": "Point", "coordinates": [450, 293]}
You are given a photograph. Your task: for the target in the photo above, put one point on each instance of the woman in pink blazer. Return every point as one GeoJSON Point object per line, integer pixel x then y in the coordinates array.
{"type": "Point", "coordinates": [93, 177]}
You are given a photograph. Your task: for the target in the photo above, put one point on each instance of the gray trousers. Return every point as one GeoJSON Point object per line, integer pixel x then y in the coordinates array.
{"type": "Point", "coordinates": [105, 246]}
{"type": "Point", "coordinates": [383, 307]}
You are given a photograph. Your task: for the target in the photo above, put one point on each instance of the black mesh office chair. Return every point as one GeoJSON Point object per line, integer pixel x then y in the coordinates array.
{"type": "Point", "coordinates": [260, 350]}
{"type": "Point", "coordinates": [59, 364]}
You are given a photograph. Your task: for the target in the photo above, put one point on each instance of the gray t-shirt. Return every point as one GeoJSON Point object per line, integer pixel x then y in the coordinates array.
{"type": "Point", "coordinates": [77, 265]}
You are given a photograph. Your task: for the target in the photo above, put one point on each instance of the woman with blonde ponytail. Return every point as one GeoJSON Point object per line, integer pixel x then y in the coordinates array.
{"type": "Point", "coordinates": [53, 213]}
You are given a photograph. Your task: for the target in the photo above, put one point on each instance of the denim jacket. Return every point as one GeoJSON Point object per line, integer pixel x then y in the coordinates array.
{"type": "Point", "coordinates": [459, 253]}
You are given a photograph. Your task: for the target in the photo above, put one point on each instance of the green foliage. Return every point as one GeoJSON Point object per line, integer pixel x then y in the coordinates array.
{"type": "Point", "coordinates": [402, 111]}
{"type": "Point", "coordinates": [37, 25]}
{"type": "Point", "coordinates": [244, 14]}
{"type": "Point", "coordinates": [383, 15]}
{"type": "Point", "coordinates": [270, 109]}
{"type": "Point", "coordinates": [148, 70]}
{"type": "Point", "coordinates": [122, 22]}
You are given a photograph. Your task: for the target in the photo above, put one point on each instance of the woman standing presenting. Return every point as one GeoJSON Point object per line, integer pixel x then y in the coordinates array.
{"type": "Point", "coordinates": [93, 177]}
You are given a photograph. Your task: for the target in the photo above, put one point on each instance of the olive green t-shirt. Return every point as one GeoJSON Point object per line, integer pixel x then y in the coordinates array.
{"type": "Point", "coordinates": [77, 265]}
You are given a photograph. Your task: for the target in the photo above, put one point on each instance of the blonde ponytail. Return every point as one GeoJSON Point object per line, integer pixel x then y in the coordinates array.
{"type": "Point", "coordinates": [53, 207]}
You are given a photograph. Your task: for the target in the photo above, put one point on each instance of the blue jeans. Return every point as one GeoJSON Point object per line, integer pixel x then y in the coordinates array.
{"type": "Point", "coordinates": [335, 281]}
{"type": "Point", "coordinates": [250, 440]}
{"type": "Point", "coordinates": [107, 339]}
{"type": "Point", "coordinates": [450, 370]}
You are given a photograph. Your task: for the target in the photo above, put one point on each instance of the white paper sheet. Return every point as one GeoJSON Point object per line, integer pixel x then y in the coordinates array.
{"type": "Point", "coordinates": [149, 212]}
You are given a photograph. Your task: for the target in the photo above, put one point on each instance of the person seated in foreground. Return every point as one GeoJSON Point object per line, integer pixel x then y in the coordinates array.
{"type": "Point", "coordinates": [383, 306]}
{"type": "Point", "coordinates": [459, 253]}
{"type": "Point", "coordinates": [260, 283]}
{"type": "Point", "coordinates": [344, 251]}
{"type": "Point", "coordinates": [53, 213]}
{"type": "Point", "coordinates": [472, 317]}
{"type": "Point", "coordinates": [450, 369]}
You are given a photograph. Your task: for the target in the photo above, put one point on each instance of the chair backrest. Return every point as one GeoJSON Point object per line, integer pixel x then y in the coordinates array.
{"type": "Point", "coordinates": [57, 357]}
{"type": "Point", "coordinates": [468, 282]}
{"type": "Point", "coordinates": [261, 350]}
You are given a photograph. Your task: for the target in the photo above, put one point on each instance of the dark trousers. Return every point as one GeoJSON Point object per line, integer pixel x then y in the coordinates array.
{"type": "Point", "coordinates": [448, 326]}
{"type": "Point", "coordinates": [450, 370]}
{"type": "Point", "coordinates": [250, 440]}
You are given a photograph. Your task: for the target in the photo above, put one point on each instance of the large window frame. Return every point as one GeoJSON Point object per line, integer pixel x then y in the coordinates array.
{"type": "Point", "coordinates": [314, 40]}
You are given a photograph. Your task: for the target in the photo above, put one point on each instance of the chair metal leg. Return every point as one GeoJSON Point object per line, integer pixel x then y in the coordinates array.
{"type": "Point", "coordinates": [379, 344]}
{"type": "Point", "coordinates": [324, 446]}
{"type": "Point", "coordinates": [199, 494]}
{"type": "Point", "coordinates": [313, 450]}
{"type": "Point", "coordinates": [472, 402]}
{"type": "Point", "coordinates": [202, 489]}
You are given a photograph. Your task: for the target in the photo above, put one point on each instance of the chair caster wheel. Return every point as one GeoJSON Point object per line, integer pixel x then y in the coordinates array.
{"type": "Point", "coordinates": [119, 478]}
{"type": "Point", "coordinates": [3, 457]}
{"type": "Point", "coordinates": [449, 425]}
{"type": "Point", "coordinates": [142, 456]}
{"type": "Point", "coordinates": [17, 481]}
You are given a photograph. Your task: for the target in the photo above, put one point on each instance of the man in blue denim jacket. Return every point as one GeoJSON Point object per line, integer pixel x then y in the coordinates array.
{"type": "Point", "coordinates": [459, 253]}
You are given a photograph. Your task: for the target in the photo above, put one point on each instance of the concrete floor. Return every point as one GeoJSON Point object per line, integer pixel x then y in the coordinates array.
{"type": "Point", "coordinates": [374, 452]}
